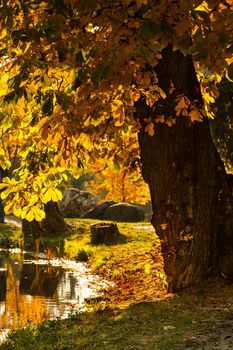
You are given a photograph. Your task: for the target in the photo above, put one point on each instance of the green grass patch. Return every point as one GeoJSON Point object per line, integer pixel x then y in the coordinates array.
{"type": "Point", "coordinates": [176, 324]}
{"type": "Point", "coordinates": [10, 236]}
{"type": "Point", "coordinates": [76, 245]}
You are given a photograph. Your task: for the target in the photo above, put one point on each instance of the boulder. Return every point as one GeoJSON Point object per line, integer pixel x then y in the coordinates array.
{"type": "Point", "coordinates": [124, 212]}
{"type": "Point", "coordinates": [98, 211]}
{"type": "Point", "coordinates": [75, 203]}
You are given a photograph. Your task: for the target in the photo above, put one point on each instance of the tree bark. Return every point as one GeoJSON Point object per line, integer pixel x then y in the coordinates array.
{"type": "Point", "coordinates": [53, 224]}
{"type": "Point", "coordinates": [191, 198]}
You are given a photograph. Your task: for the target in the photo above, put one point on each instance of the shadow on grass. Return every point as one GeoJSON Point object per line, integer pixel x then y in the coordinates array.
{"type": "Point", "coordinates": [186, 322]}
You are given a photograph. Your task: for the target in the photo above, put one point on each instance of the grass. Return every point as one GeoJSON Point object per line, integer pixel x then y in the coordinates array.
{"type": "Point", "coordinates": [10, 236]}
{"type": "Point", "coordinates": [173, 324]}
{"type": "Point", "coordinates": [137, 313]}
{"type": "Point", "coordinates": [103, 259]}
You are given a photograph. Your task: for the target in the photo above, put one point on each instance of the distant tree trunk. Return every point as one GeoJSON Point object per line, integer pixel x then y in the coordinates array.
{"type": "Point", "coordinates": [53, 224]}
{"type": "Point", "coordinates": [191, 198]}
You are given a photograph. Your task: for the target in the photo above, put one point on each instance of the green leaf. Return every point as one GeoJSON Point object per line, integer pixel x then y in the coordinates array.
{"type": "Point", "coordinates": [15, 82]}
{"type": "Point", "coordinates": [3, 52]}
{"type": "Point", "coordinates": [80, 78]}
{"type": "Point", "coordinates": [12, 96]}
{"type": "Point", "coordinates": [47, 106]}
{"type": "Point", "coordinates": [63, 100]}
{"type": "Point", "coordinates": [79, 59]}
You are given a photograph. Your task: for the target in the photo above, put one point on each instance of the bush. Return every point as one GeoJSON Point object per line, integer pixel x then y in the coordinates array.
{"type": "Point", "coordinates": [82, 255]}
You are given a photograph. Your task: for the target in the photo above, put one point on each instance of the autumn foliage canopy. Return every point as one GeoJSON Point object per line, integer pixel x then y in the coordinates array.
{"type": "Point", "coordinates": [72, 71]}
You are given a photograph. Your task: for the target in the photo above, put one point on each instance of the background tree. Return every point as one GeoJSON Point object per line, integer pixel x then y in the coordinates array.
{"type": "Point", "coordinates": [77, 74]}
{"type": "Point", "coordinates": [119, 183]}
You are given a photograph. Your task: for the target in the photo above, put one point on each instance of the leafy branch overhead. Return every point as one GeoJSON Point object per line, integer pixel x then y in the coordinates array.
{"type": "Point", "coordinates": [72, 72]}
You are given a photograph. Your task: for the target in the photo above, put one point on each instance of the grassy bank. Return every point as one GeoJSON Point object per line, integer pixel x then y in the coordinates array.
{"type": "Point", "coordinates": [137, 313]}
{"type": "Point", "coordinates": [183, 322]}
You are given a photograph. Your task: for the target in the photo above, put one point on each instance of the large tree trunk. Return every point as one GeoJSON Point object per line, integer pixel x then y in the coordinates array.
{"type": "Point", "coordinates": [191, 198]}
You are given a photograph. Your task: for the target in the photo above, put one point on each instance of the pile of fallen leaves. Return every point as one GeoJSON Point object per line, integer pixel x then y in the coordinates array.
{"type": "Point", "coordinates": [146, 283]}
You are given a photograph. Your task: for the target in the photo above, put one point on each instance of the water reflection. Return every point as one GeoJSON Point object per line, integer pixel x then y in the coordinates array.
{"type": "Point", "coordinates": [3, 275]}
{"type": "Point", "coordinates": [41, 280]}
{"type": "Point", "coordinates": [35, 290]}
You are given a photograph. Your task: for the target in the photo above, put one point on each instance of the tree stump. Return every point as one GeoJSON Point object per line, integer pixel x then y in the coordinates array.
{"type": "Point", "coordinates": [105, 233]}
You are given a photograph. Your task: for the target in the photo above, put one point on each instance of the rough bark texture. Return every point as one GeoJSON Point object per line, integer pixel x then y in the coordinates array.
{"type": "Point", "coordinates": [191, 198]}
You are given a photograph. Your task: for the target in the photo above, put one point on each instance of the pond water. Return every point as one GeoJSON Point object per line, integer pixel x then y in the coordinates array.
{"type": "Point", "coordinates": [32, 290]}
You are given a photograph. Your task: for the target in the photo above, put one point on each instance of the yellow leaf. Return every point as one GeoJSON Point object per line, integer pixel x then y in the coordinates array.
{"type": "Point", "coordinates": [8, 208]}
{"type": "Point", "coordinates": [3, 185]}
{"type": "Point", "coordinates": [195, 115]}
{"type": "Point", "coordinates": [121, 116]}
{"type": "Point", "coordinates": [24, 212]}
{"type": "Point", "coordinates": [160, 119]}
{"type": "Point", "coordinates": [172, 88]}
{"type": "Point", "coordinates": [47, 196]}
{"type": "Point", "coordinates": [162, 93]}
{"type": "Point", "coordinates": [38, 214]}
{"type": "Point", "coordinates": [181, 104]}
{"type": "Point", "coordinates": [85, 141]}
{"type": "Point", "coordinates": [56, 195]}
{"type": "Point", "coordinates": [5, 193]}
{"type": "Point", "coordinates": [147, 268]}
{"type": "Point", "coordinates": [36, 186]}
{"type": "Point", "coordinates": [163, 226]}
{"type": "Point", "coordinates": [17, 211]}
{"type": "Point", "coordinates": [170, 121]}
{"type": "Point", "coordinates": [33, 200]}
{"type": "Point", "coordinates": [116, 104]}
{"type": "Point", "coordinates": [150, 129]}
{"type": "Point", "coordinates": [202, 7]}
{"type": "Point", "coordinates": [43, 122]}
{"type": "Point", "coordinates": [29, 216]}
